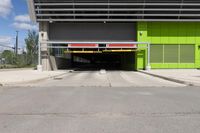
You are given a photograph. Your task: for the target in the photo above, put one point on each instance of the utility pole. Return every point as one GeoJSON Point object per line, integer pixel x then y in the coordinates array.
{"type": "Point", "coordinates": [16, 45]}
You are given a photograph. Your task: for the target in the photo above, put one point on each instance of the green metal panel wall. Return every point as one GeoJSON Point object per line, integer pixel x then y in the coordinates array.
{"type": "Point", "coordinates": [172, 34]}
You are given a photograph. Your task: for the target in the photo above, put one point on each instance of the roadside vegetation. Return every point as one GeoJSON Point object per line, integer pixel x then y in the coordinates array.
{"type": "Point", "coordinates": [26, 58]}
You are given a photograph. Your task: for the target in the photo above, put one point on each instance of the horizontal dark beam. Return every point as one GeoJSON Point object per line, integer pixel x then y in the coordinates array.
{"type": "Point", "coordinates": [117, 9]}
{"type": "Point", "coordinates": [121, 4]}
{"type": "Point", "coordinates": [65, 15]}
{"type": "Point", "coordinates": [119, 20]}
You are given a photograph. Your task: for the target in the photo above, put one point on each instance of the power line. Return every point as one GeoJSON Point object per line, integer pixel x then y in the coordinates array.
{"type": "Point", "coordinates": [2, 45]}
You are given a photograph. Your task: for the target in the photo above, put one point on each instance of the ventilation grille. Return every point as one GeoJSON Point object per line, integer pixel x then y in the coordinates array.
{"type": "Point", "coordinates": [184, 53]}
{"type": "Point", "coordinates": [117, 10]}
{"type": "Point", "coordinates": [156, 53]}
{"type": "Point", "coordinates": [187, 53]}
{"type": "Point", "coordinates": [171, 53]}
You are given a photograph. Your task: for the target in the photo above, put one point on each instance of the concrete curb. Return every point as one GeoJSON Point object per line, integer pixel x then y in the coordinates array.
{"type": "Point", "coordinates": [168, 78]}
{"type": "Point", "coordinates": [32, 81]}
{"type": "Point", "coordinates": [16, 69]}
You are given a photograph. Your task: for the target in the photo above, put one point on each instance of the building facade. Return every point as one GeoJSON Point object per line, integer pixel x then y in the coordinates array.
{"type": "Point", "coordinates": [173, 44]}
{"type": "Point", "coordinates": [172, 27]}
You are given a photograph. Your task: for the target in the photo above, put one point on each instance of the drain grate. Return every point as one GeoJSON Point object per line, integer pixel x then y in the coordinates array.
{"type": "Point", "coordinates": [58, 78]}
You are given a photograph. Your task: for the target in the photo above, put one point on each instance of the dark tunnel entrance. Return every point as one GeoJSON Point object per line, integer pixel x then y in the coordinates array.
{"type": "Point", "coordinates": [107, 61]}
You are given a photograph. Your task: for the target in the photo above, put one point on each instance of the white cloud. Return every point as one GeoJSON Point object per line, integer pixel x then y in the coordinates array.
{"type": "Point", "coordinates": [25, 26]}
{"type": "Point", "coordinates": [5, 8]}
{"type": "Point", "coordinates": [5, 43]}
{"type": "Point", "coordinates": [23, 22]}
{"type": "Point", "coordinates": [5, 39]}
{"type": "Point", "coordinates": [22, 18]}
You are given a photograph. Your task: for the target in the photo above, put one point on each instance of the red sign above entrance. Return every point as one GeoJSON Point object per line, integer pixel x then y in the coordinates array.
{"type": "Point", "coordinates": [122, 45]}
{"type": "Point", "coordinates": [82, 45]}
{"type": "Point", "coordinates": [95, 45]}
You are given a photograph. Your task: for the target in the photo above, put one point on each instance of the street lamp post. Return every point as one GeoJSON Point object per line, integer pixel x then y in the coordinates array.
{"type": "Point", "coordinates": [16, 45]}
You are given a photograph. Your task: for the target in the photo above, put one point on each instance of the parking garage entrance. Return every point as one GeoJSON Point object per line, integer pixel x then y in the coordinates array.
{"type": "Point", "coordinates": [94, 45]}
{"type": "Point", "coordinates": [95, 55]}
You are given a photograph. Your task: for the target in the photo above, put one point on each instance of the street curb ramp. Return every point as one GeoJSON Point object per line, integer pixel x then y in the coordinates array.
{"type": "Point", "coordinates": [168, 78]}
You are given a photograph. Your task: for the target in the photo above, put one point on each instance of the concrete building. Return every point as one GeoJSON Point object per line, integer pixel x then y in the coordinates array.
{"type": "Point", "coordinates": [118, 32]}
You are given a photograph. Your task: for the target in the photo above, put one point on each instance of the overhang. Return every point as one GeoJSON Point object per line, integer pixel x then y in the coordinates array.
{"type": "Point", "coordinates": [31, 8]}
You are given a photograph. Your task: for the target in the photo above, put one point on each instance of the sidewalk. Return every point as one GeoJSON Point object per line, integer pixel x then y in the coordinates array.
{"type": "Point", "coordinates": [184, 76]}
{"type": "Point", "coordinates": [17, 76]}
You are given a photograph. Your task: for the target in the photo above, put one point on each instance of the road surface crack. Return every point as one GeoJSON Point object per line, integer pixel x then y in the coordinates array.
{"type": "Point", "coordinates": [107, 114]}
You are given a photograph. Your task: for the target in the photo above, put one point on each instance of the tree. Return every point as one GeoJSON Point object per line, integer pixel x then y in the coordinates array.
{"type": "Point", "coordinates": [31, 47]}
{"type": "Point", "coordinates": [8, 56]}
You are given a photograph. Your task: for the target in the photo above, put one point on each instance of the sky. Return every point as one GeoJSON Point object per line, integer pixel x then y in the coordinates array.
{"type": "Point", "coordinates": [14, 17]}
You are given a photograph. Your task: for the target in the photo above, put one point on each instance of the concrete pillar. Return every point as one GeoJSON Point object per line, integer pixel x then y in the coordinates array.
{"type": "Point", "coordinates": [44, 36]}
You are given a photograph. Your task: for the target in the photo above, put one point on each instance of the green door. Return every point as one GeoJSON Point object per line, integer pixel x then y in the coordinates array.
{"type": "Point", "coordinates": [140, 60]}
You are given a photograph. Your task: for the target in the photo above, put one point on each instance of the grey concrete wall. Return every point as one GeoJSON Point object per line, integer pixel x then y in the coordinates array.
{"type": "Point", "coordinates": [93, 31]}
{"type": "Point", "coordinates": [63, 63]}
{"type": "Point", "coordinates": [59, 63]}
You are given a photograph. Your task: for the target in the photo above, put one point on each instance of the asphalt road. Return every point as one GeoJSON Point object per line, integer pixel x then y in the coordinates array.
{"type": "Point", "coordinates": [59, 108]}
{"type": "Point", "coordinates": [99, 109]}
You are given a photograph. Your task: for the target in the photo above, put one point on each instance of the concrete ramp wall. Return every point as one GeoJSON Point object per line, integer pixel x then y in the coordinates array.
{"type": "Point", "coordinates": [59, 63]}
